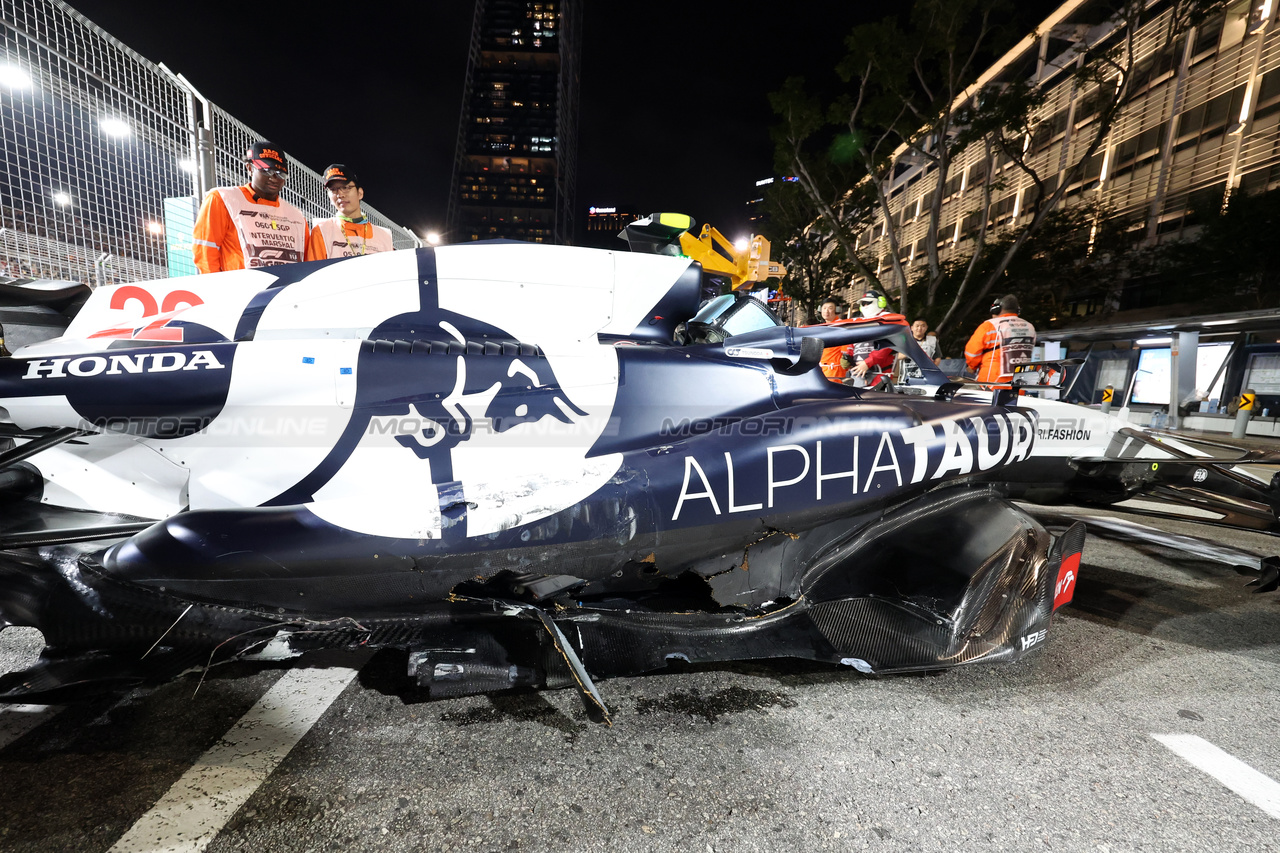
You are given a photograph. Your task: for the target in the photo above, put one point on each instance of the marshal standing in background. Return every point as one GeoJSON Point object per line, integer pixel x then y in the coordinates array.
{"type": "Point", "coordinates": [1001, 342]}
{"type": "Point", "coordinates": [350, 233]}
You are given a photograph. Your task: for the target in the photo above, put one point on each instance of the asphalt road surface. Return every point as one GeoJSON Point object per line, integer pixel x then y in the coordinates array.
{"type": "Point", "coordinates": [1149, 721]}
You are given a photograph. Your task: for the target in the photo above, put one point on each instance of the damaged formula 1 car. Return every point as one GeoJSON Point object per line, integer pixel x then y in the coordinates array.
{"type": "Point", "coordinates": [523, 465]}
{"type": "Point", "coordinates": [1091, 458]}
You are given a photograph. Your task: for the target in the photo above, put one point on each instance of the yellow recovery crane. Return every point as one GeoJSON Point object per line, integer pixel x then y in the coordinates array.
{"type": "Point", "coordinates": [672, 234]}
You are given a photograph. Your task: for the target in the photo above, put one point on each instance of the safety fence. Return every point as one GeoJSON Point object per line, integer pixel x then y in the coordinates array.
{"type": "Point", "coordinates": [106, 155]}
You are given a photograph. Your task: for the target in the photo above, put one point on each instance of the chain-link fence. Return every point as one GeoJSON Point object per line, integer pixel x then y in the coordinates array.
{"type": "Point", "coordinates": [231, 138]}
{"type": "Point", "coordinates": [101, 171]}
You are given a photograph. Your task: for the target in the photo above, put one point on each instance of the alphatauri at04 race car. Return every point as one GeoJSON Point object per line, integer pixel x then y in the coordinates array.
{"type": "Point", "coordinates": [523, 465]}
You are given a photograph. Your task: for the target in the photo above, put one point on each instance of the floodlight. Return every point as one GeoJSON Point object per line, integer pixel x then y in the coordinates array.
{"type": "Point", "coordinates": [115, 127]}
{"type": "Point", "coordinates": [13, 77]}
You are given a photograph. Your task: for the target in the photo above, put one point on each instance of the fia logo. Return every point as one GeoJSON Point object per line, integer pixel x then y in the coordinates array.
{"type": "Point", "coordinates": [1200, 475]}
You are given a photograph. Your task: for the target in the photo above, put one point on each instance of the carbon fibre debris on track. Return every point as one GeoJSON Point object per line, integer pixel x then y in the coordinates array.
{"type": "Point", "coordinates": [716, 704]}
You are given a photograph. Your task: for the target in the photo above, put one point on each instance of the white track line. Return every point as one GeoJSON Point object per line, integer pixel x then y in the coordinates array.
{"type": "Point", "coordinates": [186, 819]}
{"type": "Point", "coordinates": [17, 720]}
{"type": "Point", "coordinates": [1261, 790]}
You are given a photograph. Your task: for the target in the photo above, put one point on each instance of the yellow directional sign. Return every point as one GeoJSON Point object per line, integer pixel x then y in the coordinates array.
{"type": "Point", "coordinates": [1106, 394]}
{"type": "Point", "coordinates": [1247, 400]}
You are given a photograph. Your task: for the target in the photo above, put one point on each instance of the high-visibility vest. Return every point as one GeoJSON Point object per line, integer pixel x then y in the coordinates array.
{"type": "Point", "coordinates": [831, 367]}
{"type": "Point", "coordinates": [1015, 338]}
{"type": "Point", "coordinates": [338, 244]}
{"type": "Point", "coordinates": [269, 235]}
{"type": "Point", "coordinates": [930, 347]}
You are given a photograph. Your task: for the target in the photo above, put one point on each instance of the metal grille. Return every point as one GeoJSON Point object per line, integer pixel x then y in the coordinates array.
{"type": "Point", "coordinates": [99, 176]}
{"type": "Point", "coordinates": [304, 190]}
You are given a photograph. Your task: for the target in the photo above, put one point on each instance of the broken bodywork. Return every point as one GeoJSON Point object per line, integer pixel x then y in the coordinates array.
{"type": "Point", "coordinates": [590, 477]}
{"type": "Point", "coordinates": [1087, 457]}
{"type": "Point", "coordinates": [1093, 458]}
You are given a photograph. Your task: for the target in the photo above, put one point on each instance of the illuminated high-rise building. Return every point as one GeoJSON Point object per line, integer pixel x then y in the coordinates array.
{"type": "Point", "coordinates": [514, 168]}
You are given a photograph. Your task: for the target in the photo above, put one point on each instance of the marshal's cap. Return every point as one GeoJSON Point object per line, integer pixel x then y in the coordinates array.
{"type": "Point", "coordinates": [267, 152]}
{"type": "Point", "coordinates": [339, 172]}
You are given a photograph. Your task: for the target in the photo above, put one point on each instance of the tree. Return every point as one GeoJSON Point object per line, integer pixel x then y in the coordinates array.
{"type": "Point", "coordinates": [834, 199]}
{"type": "Point", "coordinates": [1081, 243]}
{"type": "Point", "coordinates": [913, 103]}
{"type": "Point", "coordinates": [815, 262]}
{"type": "Point", "coordinates": [1235, 256]}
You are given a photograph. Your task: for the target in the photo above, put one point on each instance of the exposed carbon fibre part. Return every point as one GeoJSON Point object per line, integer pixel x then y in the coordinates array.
{"type": "Point", "coordinates": [106, 634]}
{"type": "Point", "coordinates": [35, 445]}
{"type": "Point", "coordinates": [566, 488]}
{"type": "Point", "coordinates": [19, 481]}
{"type": "Point", "coordinates": [1268, 579]}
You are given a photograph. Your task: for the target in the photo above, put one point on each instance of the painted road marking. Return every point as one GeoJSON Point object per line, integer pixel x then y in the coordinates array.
{"type": "Point", "coordinates": [1255, 787]}
{"type": "Point", "coordinates": [17, 720]}
{"type": "Point", "coordinates": [186, 819]}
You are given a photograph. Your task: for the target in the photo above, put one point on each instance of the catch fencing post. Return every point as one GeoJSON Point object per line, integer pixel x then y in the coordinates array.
{"type": "Point", "coordinates": [207, 170]}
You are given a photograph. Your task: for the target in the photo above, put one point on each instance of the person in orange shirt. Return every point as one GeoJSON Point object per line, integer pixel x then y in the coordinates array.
{"type": "Point", "coordinates": [828, 311]}
{"type": "Point", "coordinates": [251, 226]}
{"type": "Point", "coordinates": [350, 233]}
{"type": "Point", "coordinates": [1000, 343]}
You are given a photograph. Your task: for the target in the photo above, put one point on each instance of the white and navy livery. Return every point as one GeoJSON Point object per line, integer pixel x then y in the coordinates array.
{"type": "Point", "coordinates": [1087, 457]}
{"type": "Point", "coordinates": [466, 451]}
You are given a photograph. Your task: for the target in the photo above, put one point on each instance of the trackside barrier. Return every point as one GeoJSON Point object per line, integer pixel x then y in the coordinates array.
{"type": "Point", "coordinates": [102, 167]}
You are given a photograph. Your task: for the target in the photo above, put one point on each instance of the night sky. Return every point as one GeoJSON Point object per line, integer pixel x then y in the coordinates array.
{"type": "Point", "coordinates": [673, 115]}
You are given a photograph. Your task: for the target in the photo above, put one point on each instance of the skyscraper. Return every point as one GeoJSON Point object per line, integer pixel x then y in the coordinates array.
{"type": "Point", "coordinates": [605, 224]}
{"type": "Point", "coordinates": [515, 165]}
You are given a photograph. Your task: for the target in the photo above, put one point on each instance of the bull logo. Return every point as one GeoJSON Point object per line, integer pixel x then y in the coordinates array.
{"type": "Point", "coordinates": [513, 389]}
{"type": "Point", "coordinates": [429, 381]}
